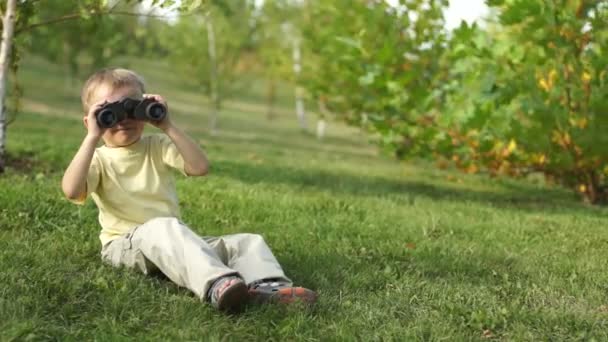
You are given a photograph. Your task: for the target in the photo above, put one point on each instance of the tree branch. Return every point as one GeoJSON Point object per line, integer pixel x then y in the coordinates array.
{"type": "Point", "coordinates": [49, 22]}
{"type": "Point", "coordinates": [96, 13]}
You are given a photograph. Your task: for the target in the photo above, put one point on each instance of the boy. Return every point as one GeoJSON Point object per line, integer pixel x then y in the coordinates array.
{"type": "Point", "coordinates": [130, 181]}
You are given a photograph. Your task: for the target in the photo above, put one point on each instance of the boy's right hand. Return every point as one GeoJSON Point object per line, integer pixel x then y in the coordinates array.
{"type": "Point", "coordinates": [90, 121]}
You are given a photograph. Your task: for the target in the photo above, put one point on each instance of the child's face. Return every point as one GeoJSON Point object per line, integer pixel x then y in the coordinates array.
{"type": "Point", "coordinates": [127, 131]}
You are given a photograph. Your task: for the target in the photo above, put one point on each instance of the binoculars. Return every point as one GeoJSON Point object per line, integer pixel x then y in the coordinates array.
{"type": "Point", "coordinates": [147, 109]}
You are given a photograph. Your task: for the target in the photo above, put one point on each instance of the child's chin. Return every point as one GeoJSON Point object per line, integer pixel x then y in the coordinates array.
{"type": "Point", "coordinates": [125, 140]}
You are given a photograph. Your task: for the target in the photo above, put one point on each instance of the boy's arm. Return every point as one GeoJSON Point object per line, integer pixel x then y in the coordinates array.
{"type": "Point", "coordinates": [195, 161]}
{"type": "Point", "coordinates": [74, 182]}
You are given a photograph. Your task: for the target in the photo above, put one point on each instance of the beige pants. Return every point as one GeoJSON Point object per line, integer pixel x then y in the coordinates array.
{"type": "Point", "coordinates": [189, 260]}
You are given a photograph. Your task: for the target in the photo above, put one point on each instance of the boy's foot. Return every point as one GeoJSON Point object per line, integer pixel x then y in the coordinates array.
{"type": "Point", "coordinates": [228, 293]}
{"type": "Point", "coordinates": [278, 291]}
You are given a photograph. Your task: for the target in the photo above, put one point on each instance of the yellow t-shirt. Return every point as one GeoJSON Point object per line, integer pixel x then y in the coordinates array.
{"type": "Point", "coordinates": [133, 184]}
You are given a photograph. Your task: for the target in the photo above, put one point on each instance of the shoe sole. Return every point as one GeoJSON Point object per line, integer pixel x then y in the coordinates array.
{"type": "Point", "coordinates": [233, 298]}
{"type": "Point", "coordinates": [285, 296]}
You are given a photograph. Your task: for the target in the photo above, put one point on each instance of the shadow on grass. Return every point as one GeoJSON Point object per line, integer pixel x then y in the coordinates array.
{"type": "Point", "coordinates": [24, 162]}
{"type": "Point", "coordinates": [303, 143]}
{"type": "Point", "coordinates": [379, 270]}
{"type": "Point", "coordinates": [512, 197]}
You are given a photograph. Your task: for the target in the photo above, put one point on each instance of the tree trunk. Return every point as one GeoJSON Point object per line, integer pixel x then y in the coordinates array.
{"type": "Point", "coordinates": [214, 88]}
{"type": "Point", "coordinates": [270, 98]}
{"type": "Point", "coordinates": [8, 24]}
{"type": "Point", "coordinates": [299, 92]}
{"type": "Point", "coordinates": [321, 123]}
{"type": "Point", "coordinates": [321, 126]}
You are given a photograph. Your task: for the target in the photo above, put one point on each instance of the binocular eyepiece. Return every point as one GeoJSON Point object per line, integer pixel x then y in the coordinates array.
{"type": "Point", "coordinates": [147, 109]}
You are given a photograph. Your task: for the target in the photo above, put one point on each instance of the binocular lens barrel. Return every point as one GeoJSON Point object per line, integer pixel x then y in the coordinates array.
{"type": "Point", "coordinates": [106, 118]}
{"type": "Point", "coordinates": [156, 112]}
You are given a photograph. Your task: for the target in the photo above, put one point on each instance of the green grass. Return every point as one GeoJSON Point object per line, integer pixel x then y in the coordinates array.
{"type": "Point", "coordinates": [397, 251]}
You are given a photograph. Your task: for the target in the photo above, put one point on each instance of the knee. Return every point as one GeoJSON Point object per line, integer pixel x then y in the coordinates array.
{"type": "Point", "coordinates": [251, 239]}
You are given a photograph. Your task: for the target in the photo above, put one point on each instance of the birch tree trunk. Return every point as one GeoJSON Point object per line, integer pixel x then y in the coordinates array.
{"type": "Point", "coordinates": [8, 24]}
{"type": "Point", "coordinates": [299, 92]}
{"type": "Point", "coordinates": [215, 98]}
{"type": "Point", "coordinates": [321, 123]}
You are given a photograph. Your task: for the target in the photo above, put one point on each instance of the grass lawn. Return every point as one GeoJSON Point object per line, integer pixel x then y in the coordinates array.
{"type": "Point", "coordinates": [397, 251]}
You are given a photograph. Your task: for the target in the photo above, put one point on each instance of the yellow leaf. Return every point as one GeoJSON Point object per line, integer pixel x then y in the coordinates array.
{"type": "Point", "coordinates": [512, 146]}
{"type": "Point", "coordinates": [582, 188]}
{"type": "Point", "coordinates": [562, 139]}
{"type": "Point", "coordinates": [539, 158]}
{"type": "Point", "coordinates": [580, 122]}
{"type": "Point", "coordinates": [586, 77]}
{"type": "Point", "coordinates": [543, 84]}
{"type": "Point", "coordinates": [567, 139]}
{"type": "Point", "coordinates": [552, 76]}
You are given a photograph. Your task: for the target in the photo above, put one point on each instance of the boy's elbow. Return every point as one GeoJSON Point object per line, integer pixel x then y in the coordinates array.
{"type": "Point", "coordinates": [198, 171]}
{"type": "Point", "coordinates": [72, 194]}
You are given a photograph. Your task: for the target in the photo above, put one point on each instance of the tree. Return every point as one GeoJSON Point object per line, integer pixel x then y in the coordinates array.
{"type": "Point", "coordinates": [374, 64]}
{"type": "Point", "coordinates": [273, 47]}
{"type": "Point", "coordinates": [530, 94]}
{"type": "Point", "coordinates": [21, 18]}
{"type": "Point", "coordinates": [525, 95]}
{"type": "Point", "coordinates": [8, 26]}
{"type": "Point", "coordinates": [207, 46]}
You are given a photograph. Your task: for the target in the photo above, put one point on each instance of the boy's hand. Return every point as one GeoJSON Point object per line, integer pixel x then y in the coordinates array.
{"type": "Point", "coordinates": [90, 121]}
{"type": "Point", "coordinates": [165, 123]}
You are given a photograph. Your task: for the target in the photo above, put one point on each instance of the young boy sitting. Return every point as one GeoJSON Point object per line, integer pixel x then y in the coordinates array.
{"type": "Point", "coordinates": [130, 181]}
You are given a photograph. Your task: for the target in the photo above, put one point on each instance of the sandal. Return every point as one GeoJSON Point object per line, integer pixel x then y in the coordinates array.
{"type": "Point", "coordinates": [278, 291]}
{"type": "Point", "coordinates": [228, 297]}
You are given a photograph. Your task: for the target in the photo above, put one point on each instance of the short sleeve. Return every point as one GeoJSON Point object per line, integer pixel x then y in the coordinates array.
{"type": "Point", "coordinates": [170, 155]}
{"type": "Point", "coordinates": [92, 179]}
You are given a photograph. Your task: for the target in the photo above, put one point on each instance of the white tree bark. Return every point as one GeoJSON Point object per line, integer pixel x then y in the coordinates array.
{"type": "Point", "coordinates": [8, 24]}
{"type": "Point", "coordinates": [321, 123]}
{"type": "Point", "coordinates": [299, 92]}
{"type": "Point", "coordinates": [321, 126]}
{"type": "Point", "coordinates": [215, 97]}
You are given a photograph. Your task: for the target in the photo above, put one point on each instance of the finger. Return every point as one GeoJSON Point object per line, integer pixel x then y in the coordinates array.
{"type": "Point", "coordinates": [99, 105]}
{"type": "Point", "coordinates": [155, 97]}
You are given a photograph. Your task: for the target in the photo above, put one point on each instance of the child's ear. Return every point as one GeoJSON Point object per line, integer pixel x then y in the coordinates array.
{"type": "Point", "coordinates": [85, 121]}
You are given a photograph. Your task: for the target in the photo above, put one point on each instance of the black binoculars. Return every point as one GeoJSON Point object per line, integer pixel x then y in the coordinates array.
{"type": "Point", "coordinates": [147, 109]}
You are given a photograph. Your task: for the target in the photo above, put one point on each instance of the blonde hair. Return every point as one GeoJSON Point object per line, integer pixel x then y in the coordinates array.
{"type": "Point", "coordinates": [112, 77]}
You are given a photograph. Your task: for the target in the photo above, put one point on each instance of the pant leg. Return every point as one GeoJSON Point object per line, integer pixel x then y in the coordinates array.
{"type": "Point", "coordinates": [249, 255]}
{"type": "Point", "coordinates": [179, 253]}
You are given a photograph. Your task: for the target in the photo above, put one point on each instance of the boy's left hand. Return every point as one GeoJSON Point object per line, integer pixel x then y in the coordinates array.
{"type": "Point", "coordinates": [166, 122]}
